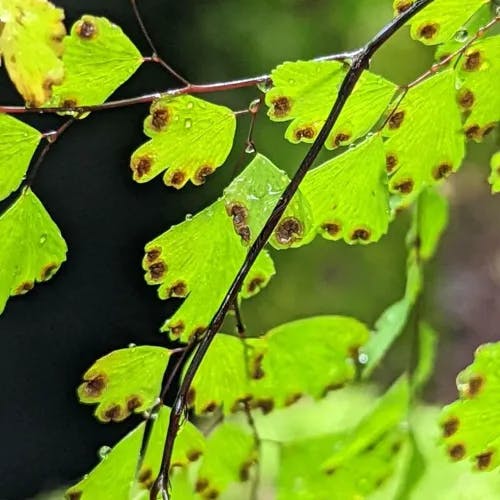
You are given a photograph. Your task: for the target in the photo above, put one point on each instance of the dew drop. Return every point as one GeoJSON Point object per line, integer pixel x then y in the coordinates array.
{"type": "Point", "coordinates": [103, 452]}
{"type": "Point", "coordinates": [189, 105]}
{"type": "Point", "coordinates": [43, 239]}
{"type": "Point", "coordinates": [253, 107]}
{"type": "Point", "coordinates": [189, 217]}
{"type": "Point", "coordinates": [461, 35]}
{"type": "Point", "coordinates": [363, 358]}
{"type": "Point", "coordinates": [250, 148]}
{"type": "Point", "coordinates": [265, 86]}
{"type": "Point", "coordinates": [291, 81]}
{"type": "Point", "coordinates": [188, 123]}
{"type": "Point", "coordinates": [132, 345]}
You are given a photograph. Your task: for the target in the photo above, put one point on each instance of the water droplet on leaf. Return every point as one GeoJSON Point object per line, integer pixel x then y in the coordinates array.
{"type": "Point", "coordinates": [265, 86]}
{"type": "Point", "coordinates": [132, 345]}
{"type": "Point", "coordinates": [188, 122]}
{"type": "Point", "coordinates": [43, 239]}
{"type": "Point", "coordinates": [250, 148]}
{"type": "Point", "coordinates": [103, 452]}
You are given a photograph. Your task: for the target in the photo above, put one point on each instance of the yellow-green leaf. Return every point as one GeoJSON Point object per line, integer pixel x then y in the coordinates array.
{"type": "Point", "coordinates": [494, 178]}
{"type": "Point", "coordinates": [18, 142]}
{"type": "Point", "coordinates": [31, 33]}
{"type": "Point", "coordinates": [304, 91]}
{"type": "Point", "coordinates": [190, 138]}
{"type": "Point", "coordinates": [349, 195]}
{"type": "Point", "coordinates": [98, 58]}
{"type": "Point", "coordinates": [124, 381]}
{"type": "Point", "coordinates": [32, 248]}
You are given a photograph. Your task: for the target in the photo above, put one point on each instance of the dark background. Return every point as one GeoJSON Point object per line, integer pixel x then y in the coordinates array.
{"type": "Point", "coordinates": [99, 302]}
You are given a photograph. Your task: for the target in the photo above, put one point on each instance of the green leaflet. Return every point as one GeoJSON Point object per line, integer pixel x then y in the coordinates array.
{"type": "Point", "coordinates": [190, 138]}
{"type": "Point", "coordinates": [362, 460]}
{"type": "Point", "coordinates": [471, 424]}
{"type": "Point", "coordinates": [304, 92]}
{"type": "Point", "coordinates": [440, 20]}
{"type": "Point", "coordinates": [430, 218]}
{"type": "Point", "coordinates": [251, 197]}
{"type": "Point", "coordinates": [32, 247]}
{"type": "Point", "coordinates": [229, 454]}
{"type": "Point", "coordinates": [124, 381]}
{"type": "Point", "coordinates": [113, 477]}
{"type": "Point", "coordinates": [480, 98]}
{"type": "Point", "coordinates": [98, 58]}
{"type": "Point", "coordinates": [494, 178]}
{"type": "Point", "coordinates": [305, 357]}
{"type": "Point", "coordinates": [308, 356]}
{"type": "Point", "coordinates": [427, 347]}
{"type": "Point", "coordinates": [428, 115]}
{"type": "Point", "coordinates": [198, 259]}
{"type": "Point", "coordinates": [30, 42]}
{"type": "Point", "coordinates": [348, 194]}
{"type": "Point", "coordinates": [18, 142]}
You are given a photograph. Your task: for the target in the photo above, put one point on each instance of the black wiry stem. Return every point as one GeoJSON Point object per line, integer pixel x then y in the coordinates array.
{"type": "Point", "coordinates": [360, 62]}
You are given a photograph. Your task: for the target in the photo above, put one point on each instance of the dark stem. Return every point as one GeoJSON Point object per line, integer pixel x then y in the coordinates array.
{"type": "Point", "coordinates": [360, 62]}
{"type": "Point", "coordinates": [155, 57]}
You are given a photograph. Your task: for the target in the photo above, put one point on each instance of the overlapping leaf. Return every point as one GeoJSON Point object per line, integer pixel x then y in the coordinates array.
{"type": "Point", "coordinates": [480, 99]}
{"type": "Point", "coordinates": [190, 138]}
{"type": "Point", "coordinates": [98, 58]}
{"type": "Point", "coordinates": [440, 20]}
{"type": "Point", "coordinates": [229, 454]}
{"type": "Point", "coordinates": [351, 464]}
{"type": "Point", "coordinates": [494, 178]}
{"type": "Point", "coordinates": [32, 248]}
{"type": "Point", "coordinates": [251, 197]}
{"type": "Point", "coordinates": [304, 92]}
{"type": "Point", "coordinates": [31, 33]}
{"type": "Point", "coordinates": [124, 381]}
{"type": "Point", "coordinates": [18, 142]}
{"type": "Point", "coordinates": [114, 476]}
{"type": "Point", "coordinates": [428, 115]}
{"type": "Point", "coordinates": [471, 424]}
{"type": "Point", "coordinates": [349, 196]}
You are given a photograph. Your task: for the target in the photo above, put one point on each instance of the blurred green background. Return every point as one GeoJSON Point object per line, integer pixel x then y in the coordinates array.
{"type": "Point", "coordinates": [215, 40]}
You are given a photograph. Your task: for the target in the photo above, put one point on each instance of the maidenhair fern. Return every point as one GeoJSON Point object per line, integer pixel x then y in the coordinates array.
{"type": "Point", "coordinates": [394, 146]}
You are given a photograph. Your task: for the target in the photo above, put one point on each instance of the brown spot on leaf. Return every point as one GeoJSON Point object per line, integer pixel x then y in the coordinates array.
{"type": "Point", "coordinates": [483, 460]}
{"type": "Point", "coordinates": [405, 186]}
{"type": "Point", "coordinates": [210, 407]}
{"type": "Point", "coordinates": [391, 162]}
{"type": "Point", "coordinates": [157, 270]}
{"type": "Point", "coordinates": [142, 166]}
{"type": "Point", "coordinates": [69, 103]}
{"type": "Point", "coordinates": [474, 386]}
{"type": "Point", "coordinates": [114, 413]}
{"type": "Point", "coordinates": [198, 332]}
{"type": "Point", "coordinates": [145, 477]}
{"type": "Point", "coordinates": [201, 484]}
{"type": "Point", "coordinates": [245, 470]}
{"type": "Point", "coordinates": [202, 173]}
{"type": "Point", "coordinates": [95, 386]}
{"type": "Point", "coordinates": [153, 254]}
{"type": "Point", "coordinates": [239, 213]}
{"type": "Point", "coordinates": [74, 495]}
{"type": "Point", "coordinates": [86, 30]}
{"type": "Point", "coordinates": [288, 231]}
{"type": "Point", "coordinates": [473, 132]}
{"type": "Point", "coordinates": [191, 396]}
{"type": "Point", "coordinates": [428, 31]}
{"type": "Point", "coordinates": [340, 138]}
{"type": "Point", "coordinates": [281, 106]}
{"type": "Point", "coordinates": [292, 399]}
{"type": "Point", "coordinates": [24, 288]}
{"type": "Point", "coordinates": [211, 494]}
{"type": "Point", "coordinates": [179, 289]}
{"type": "Point", "coordinates": [159, 119]}
{"type": "Point", "coordinates": [177, 329]}
{"type": "Point", "coordinates": [133, 403]}
{"type": "Point", "coordinates": [396, 120]}
{"type": "Point", "coordinates": [488, 129]}
{"type": "Point", "coordinates": [403, 5]}
{"type": "Point", "coordinates": [193, 455]}
{"type": "Point", "coordinates": [177, 179]}
{"type": "Point", "coordinates": [255, 284]}
{"type": "Point", "coordinates": [396, 447]}
{"type": "Point", "coordinates": [450, 427]}
{"type": "Point", "coordinates": [360, 234]}
{"type": "Point", "coordinates": [266, 405]}
{"type": "Point", "coordinates": [332, 228]}
{"type": "Point", "coordinates": [330, 471]}
{"type": "Point", "coordinates": [457, 452]}
{"type": "Point", "coordinates": [304, 133]}
{"type": "Point", "coordinates": [257, 370]}
{"type": "Point", "coordinates": [442, 171]}
{"type": "Point", "coordinates": [472, 61]}
{"type": "Point", "coordinates": [466, 99]}
{"type": "Point", "coordinates": [48, 271]}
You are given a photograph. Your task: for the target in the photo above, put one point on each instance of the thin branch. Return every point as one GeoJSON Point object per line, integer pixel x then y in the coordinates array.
{"type": "Point", "coordinates": [207, 88]}
{"type": "Point", "coordinates": [360, 62]}
{"type": "Point", "coordinates": [155, 56]}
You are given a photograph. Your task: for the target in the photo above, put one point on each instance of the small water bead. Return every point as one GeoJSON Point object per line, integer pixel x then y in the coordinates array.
{"type": "Point", "coordinates": [132, 345]}
{"type": "Point", "coordinates": [461, 35]}
{"type": "Point", "coordinates": [43, 239]}
{"type": "Point", "coordinates": [190, 105]}
{"type": "Point", "coordinates": [103, 452]}
{"type": "Point", "coordinates": [189, 217]}
{"type": "Point", "coordinates": [254, 106]}
{"type": "Point", "coordinates": [188, 123]}
{"type": "Point", "coordinates": [363, 358]}
{"type": "Point", "coordinates": [265, 85]}
{"type": "Point", "coordinates": [250, 148]}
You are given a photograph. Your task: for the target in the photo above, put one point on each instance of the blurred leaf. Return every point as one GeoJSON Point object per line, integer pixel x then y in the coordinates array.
{"type": "Point", "coordinates": [190, 138]}
{"type": "Point", "coordinates": [31, 33]}
{"type": "Point", "coordinates": [427, 346]}
{"type": "Point", "coordinates": [349, 196]}
{"type": "Point", "coordinates": [414, 470]}
{"type": "Point", "coordinates": [439, 21]}
{"type": "Point", "coordinates": [428, 114]}
{"type": "Point", "coordinates": [18, 142]}
{"type": "Point", "coordinates": [98, 58]}
{"type": "Point", "coordinates": [32, 247]}
{"type": "Point", "coordinates": [252, 196]}
{"type": "Point", "coordinates": [229, 454]}
{"type": "Point", "coordinates": [304, 92]}
{"type": "Point", "coordinates": [471, 425]}
{"type": "Point", "coordinates": [494, 178]}
{"type": "Point", "coordinates": [479, 67]}
{"type": "Point", "coordinates": [124, 381]}
{"type": "Point", "coordinates": [113, 477]}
